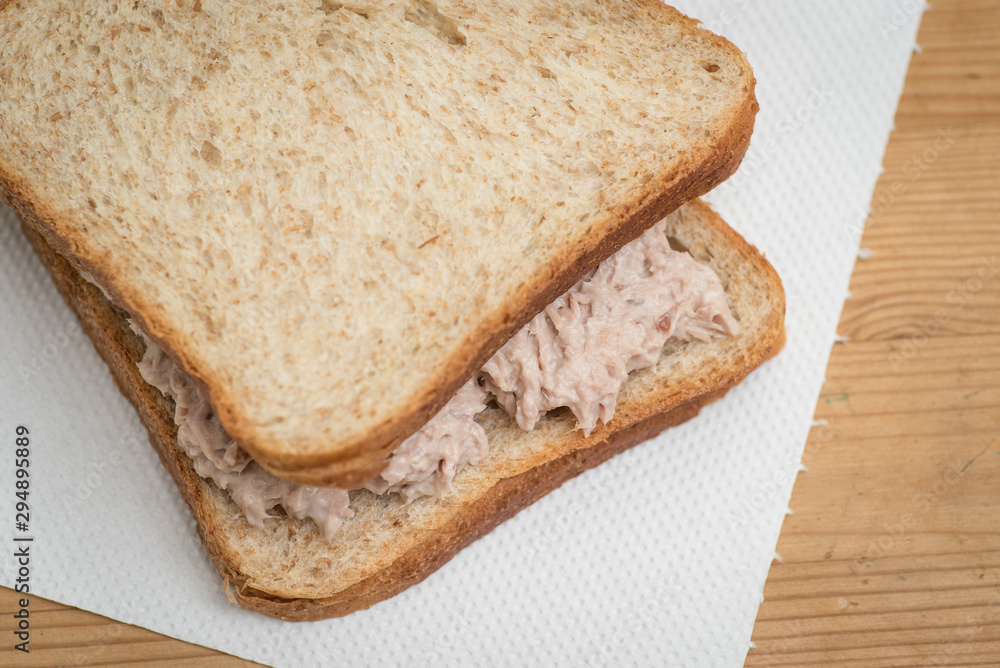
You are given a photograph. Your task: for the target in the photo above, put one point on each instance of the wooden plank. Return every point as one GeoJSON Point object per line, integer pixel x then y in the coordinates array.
{"type": "Point", "coordinates": [892, 554]}
{"type": "Point", "coordinates": [65, 636]}
{"type": "Point", "coordinates": [956, 77]}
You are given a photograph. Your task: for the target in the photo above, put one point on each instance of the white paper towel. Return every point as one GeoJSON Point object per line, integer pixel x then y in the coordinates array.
{"type": "Point", "coordinates": [657, 557]}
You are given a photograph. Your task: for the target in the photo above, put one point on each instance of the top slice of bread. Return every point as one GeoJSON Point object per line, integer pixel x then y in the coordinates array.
{"type": "Point", "coordinates": [331, 214]}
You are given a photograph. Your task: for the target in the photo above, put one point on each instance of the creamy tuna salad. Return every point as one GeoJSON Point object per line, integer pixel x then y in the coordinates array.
{"type": "Point", "coordinates": [581, 348]}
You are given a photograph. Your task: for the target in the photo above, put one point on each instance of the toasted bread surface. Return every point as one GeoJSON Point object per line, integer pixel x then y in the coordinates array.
{"type": "Point", "coordinates": [332, 214]}
{"type": "Point", "coordinates": [284, 569]}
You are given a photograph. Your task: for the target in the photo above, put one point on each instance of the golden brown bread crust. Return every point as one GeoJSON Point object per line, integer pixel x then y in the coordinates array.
{"type": "Point", "coordinates": [636, 421]}
{"type": "Point", "coordinates": [504, 501]}
{"type": "Point", "coordinates": [357, 460]}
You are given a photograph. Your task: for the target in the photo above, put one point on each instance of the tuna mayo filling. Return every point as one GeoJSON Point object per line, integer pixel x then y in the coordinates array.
{"type": "Point", "coordinates": [576, 353]}
{"type": "Point", "coordinates": [580, 349]}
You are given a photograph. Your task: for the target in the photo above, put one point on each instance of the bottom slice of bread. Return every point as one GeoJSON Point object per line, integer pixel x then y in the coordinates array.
{"type": "Point", "coordinates": [286, 570]}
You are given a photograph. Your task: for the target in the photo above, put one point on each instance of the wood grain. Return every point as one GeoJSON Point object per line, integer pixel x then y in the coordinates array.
{"type": "Point", "coordinates": [892, 557]}
{"type": "Point", "coordinates": [65, 636]}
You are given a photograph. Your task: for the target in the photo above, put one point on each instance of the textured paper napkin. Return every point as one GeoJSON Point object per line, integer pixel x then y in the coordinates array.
{"type": "Point", "coordinates": [657, 557]}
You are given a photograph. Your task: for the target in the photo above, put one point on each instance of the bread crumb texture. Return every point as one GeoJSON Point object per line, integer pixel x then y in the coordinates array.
{"type": "Point", "coordinates": [331, 213]}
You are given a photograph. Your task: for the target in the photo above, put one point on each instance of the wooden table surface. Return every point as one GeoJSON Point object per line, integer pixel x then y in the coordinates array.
{"type": "Point", "coordinates": [892, 556]}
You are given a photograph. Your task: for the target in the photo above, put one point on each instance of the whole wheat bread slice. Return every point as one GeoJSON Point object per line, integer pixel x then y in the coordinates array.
{"type": "Point", "coordinates": [285, 570]}
{"type": "Point", "coordinates": [332, 214]}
